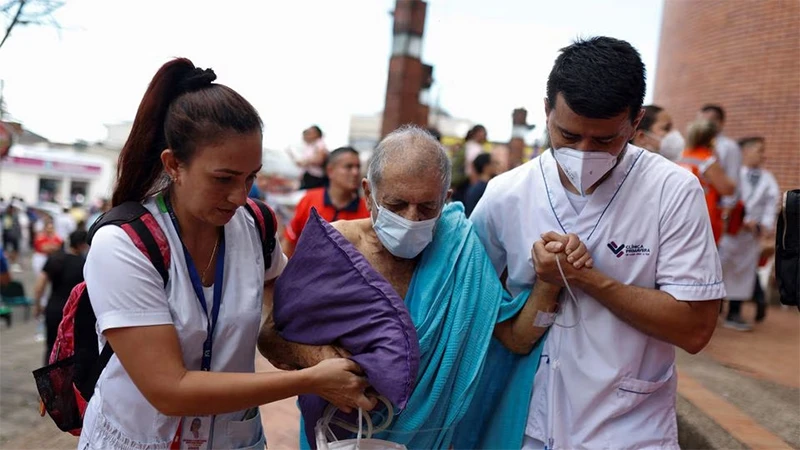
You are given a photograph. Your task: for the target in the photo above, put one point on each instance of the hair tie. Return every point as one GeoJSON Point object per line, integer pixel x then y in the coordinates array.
{"type": "Point", "coordinates": [197, 78]}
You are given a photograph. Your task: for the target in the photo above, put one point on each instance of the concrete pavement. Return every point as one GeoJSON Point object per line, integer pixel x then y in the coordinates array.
{"type": "Point", "coordinates": [21, 427]}
{"type": "Point", "coordinates": [742, 391]}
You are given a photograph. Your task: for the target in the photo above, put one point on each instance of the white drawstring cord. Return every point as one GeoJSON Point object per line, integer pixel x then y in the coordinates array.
{"type": "Point", "coordinates": [572, 296]}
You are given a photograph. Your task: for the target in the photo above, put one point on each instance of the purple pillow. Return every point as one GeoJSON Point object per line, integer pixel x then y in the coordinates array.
{"type": "Point", "coordinates": [330, 294]}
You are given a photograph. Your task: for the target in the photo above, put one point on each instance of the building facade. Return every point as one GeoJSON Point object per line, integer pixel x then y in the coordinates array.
{"type": "Point", "coordinates": [744, 56]}
{"type": "Point", "coordinates": [43, 173]}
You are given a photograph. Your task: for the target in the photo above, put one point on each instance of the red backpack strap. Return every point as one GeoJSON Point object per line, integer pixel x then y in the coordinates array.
{"type": "Point", "coordinates": [144, 231]}
{"type": "Point", "coordinates": [140, 225]}
{"type": "Point", "coordinates": [267, 223]}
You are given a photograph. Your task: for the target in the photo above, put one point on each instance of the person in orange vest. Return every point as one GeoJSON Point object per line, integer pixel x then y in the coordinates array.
{"type": "Point", "coordinates": [700, 159]}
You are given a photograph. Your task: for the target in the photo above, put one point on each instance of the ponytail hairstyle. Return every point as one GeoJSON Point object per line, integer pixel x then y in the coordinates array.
{"type": "Point", "coordinates": [182, 110]}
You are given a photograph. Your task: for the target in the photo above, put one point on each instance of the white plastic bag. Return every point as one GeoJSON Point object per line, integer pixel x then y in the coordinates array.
{"type": "Point", "coordinates": [323, 431]}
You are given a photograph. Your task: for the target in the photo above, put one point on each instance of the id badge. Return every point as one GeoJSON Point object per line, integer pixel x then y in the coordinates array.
{"type": "Point", "coordinates": [196, 432]}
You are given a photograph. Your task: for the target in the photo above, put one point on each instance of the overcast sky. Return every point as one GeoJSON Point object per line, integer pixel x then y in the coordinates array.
{"type": "Point", "coordinates": [302, 61]}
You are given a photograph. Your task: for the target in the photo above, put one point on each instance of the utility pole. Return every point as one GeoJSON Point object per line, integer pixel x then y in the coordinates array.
{"type": "Point", "coordinates": [408, 76]}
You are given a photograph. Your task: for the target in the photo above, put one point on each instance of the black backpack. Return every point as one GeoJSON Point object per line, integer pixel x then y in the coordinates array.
{"type": "Point", "coordinates": [787, 249]}
{"type": "Point", "coordinates": [66, 384]}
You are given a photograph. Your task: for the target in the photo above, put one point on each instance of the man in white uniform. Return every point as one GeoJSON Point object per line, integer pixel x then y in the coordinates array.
{"type": "Point", "coordinates": [740, 253]}
{"type": "Point", "coordinates": [607, 378]}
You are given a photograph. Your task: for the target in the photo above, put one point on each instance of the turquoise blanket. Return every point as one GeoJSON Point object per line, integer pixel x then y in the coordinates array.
{"type": "Point", "coordinates": [471, 392]}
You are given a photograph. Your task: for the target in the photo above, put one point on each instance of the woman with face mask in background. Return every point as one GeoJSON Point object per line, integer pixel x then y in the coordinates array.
{"type": "Point", "coordinates": [657, 134]}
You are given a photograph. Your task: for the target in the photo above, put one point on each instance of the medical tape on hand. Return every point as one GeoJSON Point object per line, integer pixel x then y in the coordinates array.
{"type": "Point", "coordinates": [544, 319]}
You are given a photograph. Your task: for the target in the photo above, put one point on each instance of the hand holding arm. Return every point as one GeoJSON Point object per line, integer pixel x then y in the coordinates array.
{"type": "Point", "coordinates": [520, 333]}
{"type": "Point", "coordinates": [556, 249]}
{"type": "Point", "coordinates": [688, 325]}
{"type": "Point", "coordinates": [152, 358]}
{"type": "Point", "coordinates": [287, 355]}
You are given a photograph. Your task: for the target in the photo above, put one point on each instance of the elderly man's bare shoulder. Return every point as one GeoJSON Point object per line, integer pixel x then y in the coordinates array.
{"type": "Point", "coordinates": [353, 230]}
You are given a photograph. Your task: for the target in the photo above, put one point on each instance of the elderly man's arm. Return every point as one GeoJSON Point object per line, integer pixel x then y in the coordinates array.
{"type": "Point", "coordinates": [287, 355]}
{"type": "Point", "coordinates": [520, 333]}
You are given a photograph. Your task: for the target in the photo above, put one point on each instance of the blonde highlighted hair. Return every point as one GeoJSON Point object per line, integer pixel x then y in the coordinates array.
{"type": "Point", "coordinates": [701, 133]}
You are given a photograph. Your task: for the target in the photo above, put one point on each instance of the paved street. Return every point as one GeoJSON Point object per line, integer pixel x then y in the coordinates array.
{"type": "Point", "coordinates": [22, 428]}
{"type": "Point", "coordinates": [742, 391]}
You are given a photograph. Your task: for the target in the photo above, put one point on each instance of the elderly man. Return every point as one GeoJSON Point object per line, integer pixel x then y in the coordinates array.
{"type": "Point", "coordinates": [431, 256]}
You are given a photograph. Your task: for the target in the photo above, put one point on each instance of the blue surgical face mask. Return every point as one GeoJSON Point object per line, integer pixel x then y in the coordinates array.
{"type": "Point", "coordinates": [403, 238]}
{"type": "Point", "coordinates": [584, 169]}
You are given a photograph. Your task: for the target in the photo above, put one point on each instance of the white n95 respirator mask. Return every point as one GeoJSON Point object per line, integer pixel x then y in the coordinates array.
{"type": "Point", "coordinates": [583, 169]}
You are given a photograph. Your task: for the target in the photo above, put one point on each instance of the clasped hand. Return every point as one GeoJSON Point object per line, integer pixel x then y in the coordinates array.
{"type": "Point", "coordinates": [572, 254]}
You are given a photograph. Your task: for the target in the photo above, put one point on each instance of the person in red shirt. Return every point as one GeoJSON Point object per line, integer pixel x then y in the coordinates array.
{"type": "Point", "coordinates": [48, 241]}
{"type": "Point", "coordinates": [339, 200]}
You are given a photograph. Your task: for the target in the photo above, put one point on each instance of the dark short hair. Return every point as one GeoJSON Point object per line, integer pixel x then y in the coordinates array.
{"type": "Point", "coordinates": [472, 131]}
{"type": "Point", "coordinates": [750, 140]}
{"type": "Point", "coordinates": [78, 238]}
{"type": "Point", "coordinates": [599, 78]}
{"type": "Point", "coordinates": [317, 129]}
{"type": "Point", "coordinates": [334, 155]}
{"type": "Point", "coordinates": [481, 162]}
{"type": "Point", "coordinates": [716, 109]}
{"type": "Point", "coordinates": [650, 114]}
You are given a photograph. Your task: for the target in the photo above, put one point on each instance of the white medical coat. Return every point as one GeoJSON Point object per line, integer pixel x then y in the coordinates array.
{"type": "Point", "coordinates": [739, 253]}
{"type": "Point", "coordinates": [604, 384]}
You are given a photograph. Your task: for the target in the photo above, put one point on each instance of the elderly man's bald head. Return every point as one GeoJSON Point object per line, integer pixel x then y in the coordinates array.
{"type": "Point", "coordinates": [412, 151]}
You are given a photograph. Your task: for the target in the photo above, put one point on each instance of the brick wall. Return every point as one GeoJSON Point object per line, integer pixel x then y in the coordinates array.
{"type": "Point", "coordinates": [744, 55]}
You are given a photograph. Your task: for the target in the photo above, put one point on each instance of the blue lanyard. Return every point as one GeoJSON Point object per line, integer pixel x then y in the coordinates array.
{"type": "Point", "coordinates": [197, 284]}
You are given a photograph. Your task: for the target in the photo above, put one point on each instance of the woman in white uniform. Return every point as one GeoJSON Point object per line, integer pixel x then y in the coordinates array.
{"type": "Point", "coordinates": [180, 377]}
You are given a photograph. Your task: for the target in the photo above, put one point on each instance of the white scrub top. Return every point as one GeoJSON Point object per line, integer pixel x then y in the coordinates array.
{"type": "Point", "coordinates": [740, 253]}
{"type": "Point", "coordinates": [604, 384]}
{"type": "Point", "coordinates": [127, 291]}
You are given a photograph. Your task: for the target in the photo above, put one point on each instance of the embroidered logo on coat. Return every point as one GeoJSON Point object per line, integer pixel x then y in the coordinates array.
{"type": "Point", "coordinates": [628, 250]}
{"type": "Point", "coordinates": [618, 250]}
